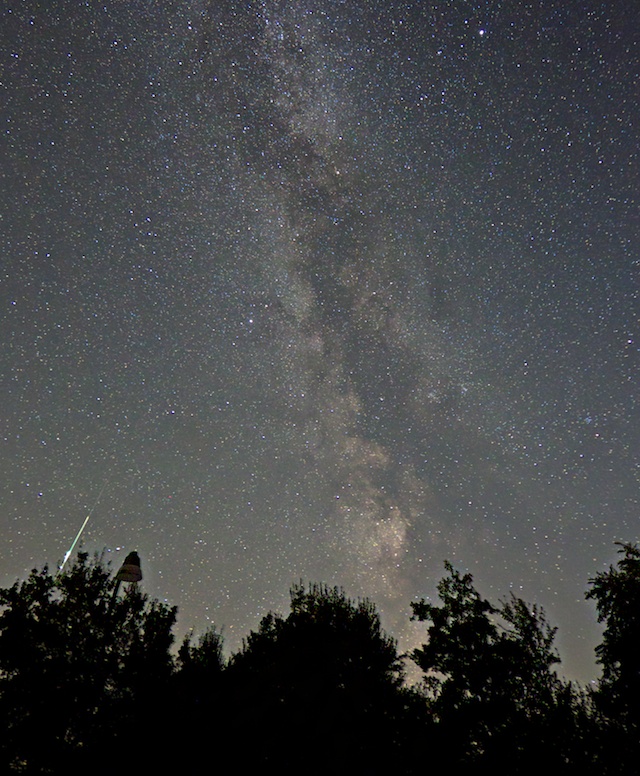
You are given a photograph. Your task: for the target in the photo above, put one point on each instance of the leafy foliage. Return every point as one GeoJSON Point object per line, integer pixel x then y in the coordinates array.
{"type": "Point", "coordinates": [77, 666]}
{"type": "Point", "coordinates": [617, 596]}
{"type": "Point", "coordinates": [198, 698]}
{"type": "Point", "coordinates": [84, 671]}
{"type": "Point", "coordinates": [489, 679]}
{"type": "Point", "coordinates": [617, 696]}
{"type": "Point", "coordinates": [326, 669]}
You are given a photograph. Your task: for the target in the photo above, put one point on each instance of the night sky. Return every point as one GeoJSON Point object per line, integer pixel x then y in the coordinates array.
{"type": "Point", "coordinates": [327, 291]}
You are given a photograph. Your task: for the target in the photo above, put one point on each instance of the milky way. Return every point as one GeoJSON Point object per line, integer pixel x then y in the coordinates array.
{"type": "Point", "coordinates": [327, 292]}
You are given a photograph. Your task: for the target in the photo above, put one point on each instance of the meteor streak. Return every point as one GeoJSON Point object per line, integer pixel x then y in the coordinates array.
{"type": "Point", "coordinates": [82, 527]}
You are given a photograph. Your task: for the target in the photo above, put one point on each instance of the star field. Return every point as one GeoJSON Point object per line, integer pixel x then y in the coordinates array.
{"type": "Point", "coordinates": [328, 292]}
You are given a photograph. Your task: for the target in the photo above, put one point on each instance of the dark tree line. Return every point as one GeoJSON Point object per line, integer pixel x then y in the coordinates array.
{"type": "Point", "coordinates": [89, 684]}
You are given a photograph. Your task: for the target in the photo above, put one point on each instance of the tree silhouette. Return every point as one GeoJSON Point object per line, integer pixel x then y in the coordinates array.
{"type": "Point", "coordinates": [85, 672]}
{"type": "Point", "coordinates": [79, 670]}
{"type": "Point", "coordinates": [321, 690]}
{"type": "Point", "coordinates": [490, 681]}
{"type": "Point", "coordinates": [616, 593]}
{"type": "Point", "coordinates": [199, 702]}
